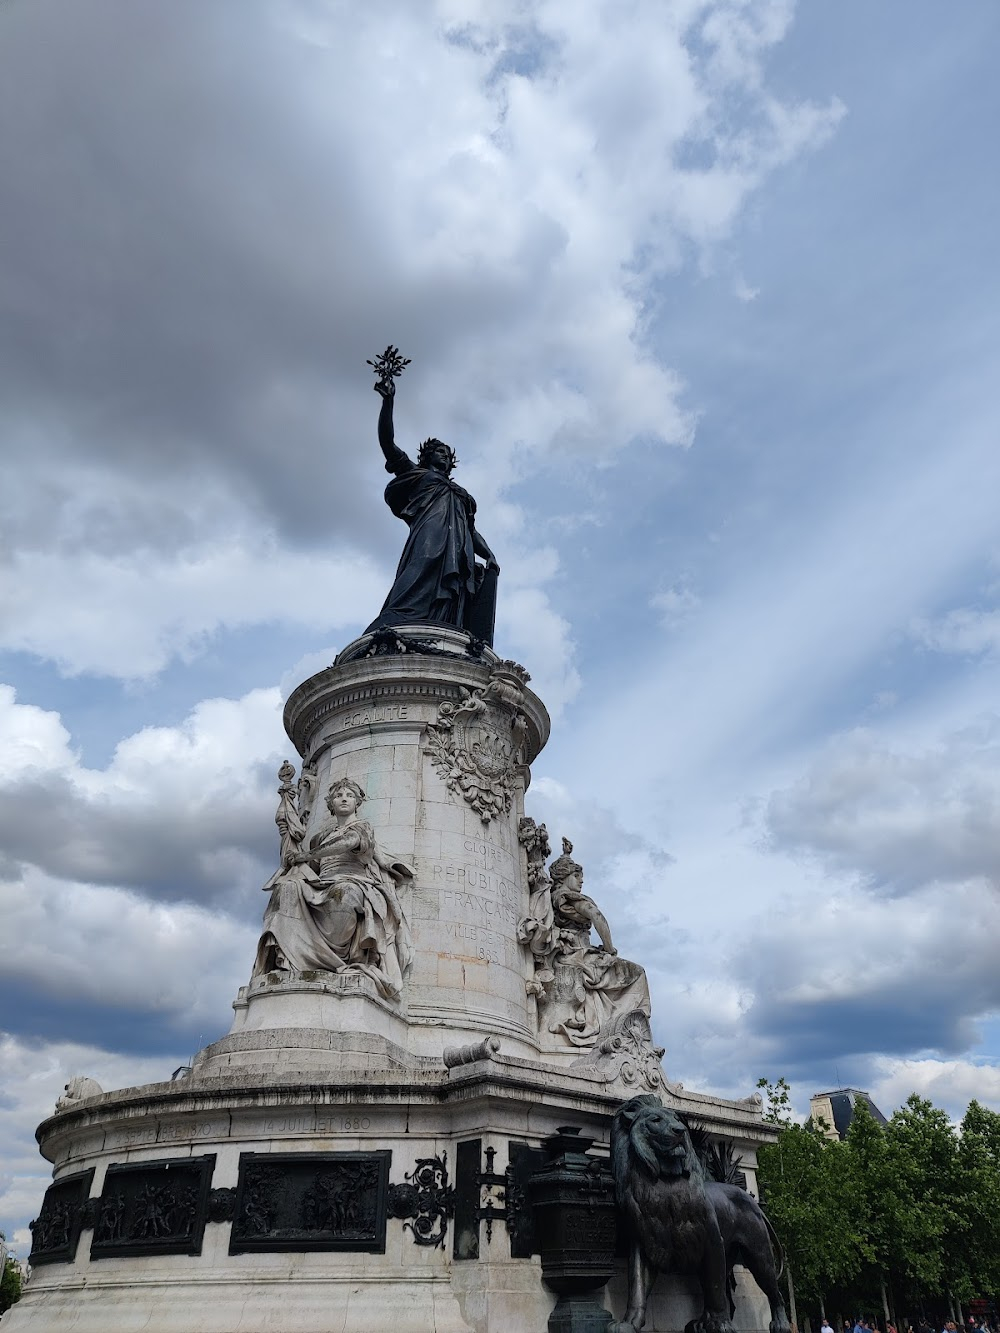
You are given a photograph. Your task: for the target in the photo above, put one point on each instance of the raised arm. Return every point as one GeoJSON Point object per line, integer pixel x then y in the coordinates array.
{"type": "Point", "coordinates": [395, 459]}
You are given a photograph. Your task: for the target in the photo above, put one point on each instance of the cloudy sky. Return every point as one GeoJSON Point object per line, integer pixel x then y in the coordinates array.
{"type": "Point", "coordinates": [705, 294]}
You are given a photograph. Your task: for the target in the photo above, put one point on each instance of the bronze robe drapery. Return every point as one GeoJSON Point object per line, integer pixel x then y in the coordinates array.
{"type": "Point", "coordinates": [436, 577]}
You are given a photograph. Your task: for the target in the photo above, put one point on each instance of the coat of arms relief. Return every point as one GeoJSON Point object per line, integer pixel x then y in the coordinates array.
{"type": "Point", "coordinates": [477, 744]}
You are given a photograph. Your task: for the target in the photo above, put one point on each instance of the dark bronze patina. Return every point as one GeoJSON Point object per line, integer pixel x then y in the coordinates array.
{"type": "Point", "coordinates": [438, 581]}
{"type": "Point", "coordinates": [678, 1220]}
{"type": "Point", "coordinates": [575, 1229]}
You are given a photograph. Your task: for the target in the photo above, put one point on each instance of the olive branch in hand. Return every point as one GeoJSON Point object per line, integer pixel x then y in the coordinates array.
{"type": "Point", "coordinates": [389, 365]}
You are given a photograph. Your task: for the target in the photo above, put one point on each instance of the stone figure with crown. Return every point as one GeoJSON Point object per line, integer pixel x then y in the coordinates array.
{"type": "Point", "coordinates": [581, 988]}
{"type": "Point", "coordinates": [334, 906]}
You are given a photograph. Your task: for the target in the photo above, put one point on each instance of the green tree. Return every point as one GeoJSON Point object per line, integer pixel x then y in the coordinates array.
{"type": "Point", "coordinates": [926, 1147]}
{"type": "Point", "coordinates": [912, 1203]}
{"type": "Point", "coordinates": [10, 1281]}
{"type": "Point", "coordinates": [877, 1206]}
{"type": "Point", "coordinates": [777, 1098]}
{"type": "Point", "coordinates": [807, 1187]}
{"type": "Point", "coordinates": [973, 1240]}
{"type": "Point", "coordinates": [909, 1210]}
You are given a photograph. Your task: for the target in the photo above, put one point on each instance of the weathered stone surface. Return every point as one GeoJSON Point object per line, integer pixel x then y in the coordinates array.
{"type": "Point", "coordinates": [334, 904]}
{"type": "Point", "coordinates": [78, 1089]}
{"type": "Point", "coordinates": [581, 989]}
{"type": "Point", "coordinates": [373, 720]}
{"type": "Point", "coordinates": [323, 1063]}
{"type": "Point", "coordinates": [624, 1056]}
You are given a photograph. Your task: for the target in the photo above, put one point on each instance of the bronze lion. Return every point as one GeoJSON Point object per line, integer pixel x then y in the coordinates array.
{"type": "Point", "coordinates": [680, 1221]}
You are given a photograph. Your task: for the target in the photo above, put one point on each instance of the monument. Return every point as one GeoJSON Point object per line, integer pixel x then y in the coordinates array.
{"type": "Point", "coordinates": [407, 1125]}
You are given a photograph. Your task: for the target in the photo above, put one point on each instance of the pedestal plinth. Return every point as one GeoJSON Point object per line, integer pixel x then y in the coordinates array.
{"type": "Point", "coordinates": [441, 745]}
{"type": "Point", "coordinates": [355, 1154]}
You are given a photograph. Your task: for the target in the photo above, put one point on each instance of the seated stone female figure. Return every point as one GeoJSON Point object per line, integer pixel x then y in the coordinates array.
{"type": "Point", "coordinates": [570, 903]}
{"type": "Point", "coordinates": [335, 907]}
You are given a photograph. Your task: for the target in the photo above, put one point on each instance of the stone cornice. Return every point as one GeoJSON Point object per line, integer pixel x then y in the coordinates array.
{"type": "Point", "coordinates": [397, 678]}
{"type": "Point", "coordinates": [497, 1080]}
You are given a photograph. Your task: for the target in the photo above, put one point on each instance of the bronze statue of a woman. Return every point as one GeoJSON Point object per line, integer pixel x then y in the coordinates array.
{"type": "Point", "coordinates": [438, 581]}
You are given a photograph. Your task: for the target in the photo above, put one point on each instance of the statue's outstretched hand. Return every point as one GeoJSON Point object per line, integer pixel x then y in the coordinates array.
{"type": "Point", "coordinates": [385, 388]}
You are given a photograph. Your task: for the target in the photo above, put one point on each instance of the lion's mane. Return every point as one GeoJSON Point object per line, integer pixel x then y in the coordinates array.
{"type": "Point", "coordinates": [656, 1139]}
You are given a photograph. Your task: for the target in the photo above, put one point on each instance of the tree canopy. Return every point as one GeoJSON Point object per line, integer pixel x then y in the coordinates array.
{"type": "Point", "coordinates": [904, 1216]}
{"type": "Point", "coordinates": [10, 1280]}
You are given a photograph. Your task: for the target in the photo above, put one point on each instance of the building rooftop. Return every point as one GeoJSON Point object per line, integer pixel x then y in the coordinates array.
{"type": "Point", "coordinates": [837, 1108]}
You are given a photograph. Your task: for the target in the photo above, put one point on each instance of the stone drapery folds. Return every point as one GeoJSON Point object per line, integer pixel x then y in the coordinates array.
{"type": "Point", "coordinates": [581, 988]}
{"type": "Point", "coordinates": [334, 906]}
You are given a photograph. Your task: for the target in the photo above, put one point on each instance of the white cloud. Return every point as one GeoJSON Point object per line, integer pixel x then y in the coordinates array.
{"type": "Point", "coordinates": [528, 628]}
{"type": "Point", "coordinates": [965, 631]}
{"type": "Point", "coordinates": [130, 613]}
{"type": "Point", "coordinates": [744, 292]}
{"type": "Point", "coordinates": [765, 661]}
{"type": "Point", "coordinates": [497, 192]}
{"type": "Point", "coordinates": [676, 605]}
{"type": "Point", "coordinates": [181, 812]}
{"type": "Point", "coordinates": [843, 975]}
{"type": "Point", "coordinates": [901, 818]}
{"type": "Point", "coordinates": [95, 945]}
{"type": "Point", "coordinates": [951, 1084]}
{"type": "Point", "coordinates": [33, 1075]}
{"type": "Point", "coordinates": [34, 741]}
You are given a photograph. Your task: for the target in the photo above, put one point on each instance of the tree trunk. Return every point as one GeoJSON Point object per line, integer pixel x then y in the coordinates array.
{"type": "Point", "coordinates": [885, 1302]}
{"type": "Point", "coordinates": [791, 1298]}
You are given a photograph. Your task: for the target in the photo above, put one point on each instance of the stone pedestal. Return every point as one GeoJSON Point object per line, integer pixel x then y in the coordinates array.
{"type": "Point", "coordinates": [377, 720]}
{"type": "Point", "coordinates": [344, 1158]}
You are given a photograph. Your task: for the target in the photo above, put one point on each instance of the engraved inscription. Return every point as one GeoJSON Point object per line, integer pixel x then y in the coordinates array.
{"type": "Point", "coordinates": [488, 854]}
{"type": "Point", "coordinates": [329, 1122]}
{"type": "Point", "coordinates": [130, 1138]}
{"type": "Point", "coordinates": [167, 1133]}
{"type": "Point", "coordinates": [290, 1124]}
{"type": "Point", "coordinates": [478, 905]}
{"type": "Point", "coordinates": [472, 878]}
{"type": "Point", "coordinates": [485, 945]}
{"type": "Point", "coordinates": [364, 717]}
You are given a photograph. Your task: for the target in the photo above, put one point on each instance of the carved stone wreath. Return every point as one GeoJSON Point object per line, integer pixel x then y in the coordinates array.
{"type": "Point", "coordinates": [477, 745]}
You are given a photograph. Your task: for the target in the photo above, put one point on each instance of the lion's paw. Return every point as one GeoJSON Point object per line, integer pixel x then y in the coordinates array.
{"type": "Point", "coordinates": [710, 1323]}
